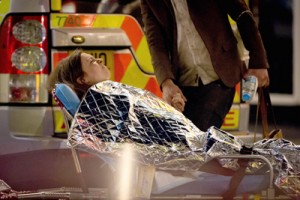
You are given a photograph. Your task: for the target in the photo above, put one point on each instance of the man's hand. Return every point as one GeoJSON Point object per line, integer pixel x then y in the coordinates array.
{"type": "Point", "coordinates": [173, 95]}
{"type": "Point", "coordinates": [178, 102]}
{"type": "Point", "coordinates": [261, 75]}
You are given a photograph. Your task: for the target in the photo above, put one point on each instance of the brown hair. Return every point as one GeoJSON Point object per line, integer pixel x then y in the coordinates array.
{"type": "Point", "coordinates": [67, 71]}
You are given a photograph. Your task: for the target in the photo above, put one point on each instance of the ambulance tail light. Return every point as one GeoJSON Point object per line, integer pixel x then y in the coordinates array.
{"type": "Point", "coordinates": [24, 59]}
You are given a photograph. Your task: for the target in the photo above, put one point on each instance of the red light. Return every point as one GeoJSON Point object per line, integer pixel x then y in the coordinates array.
{"type": "Point", "coordinates": [20, 94]}
{"type": "Point", "coordinates": [9, 44]}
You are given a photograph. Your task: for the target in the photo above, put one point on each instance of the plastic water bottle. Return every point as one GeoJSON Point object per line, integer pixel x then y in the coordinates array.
{"type": "Point", "coordinates": [249, 88]}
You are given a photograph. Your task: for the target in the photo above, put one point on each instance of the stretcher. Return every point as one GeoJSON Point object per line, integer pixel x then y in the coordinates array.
{"type": "Point", "coordinates": [150, 182]}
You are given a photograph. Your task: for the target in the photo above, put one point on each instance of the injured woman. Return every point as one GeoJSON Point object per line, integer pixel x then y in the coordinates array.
{"type": "Point", "coordinates": [111, 114]}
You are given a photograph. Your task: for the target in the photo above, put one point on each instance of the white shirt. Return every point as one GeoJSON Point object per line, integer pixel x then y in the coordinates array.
{"type": "Point", "coordinates": [194, 57]}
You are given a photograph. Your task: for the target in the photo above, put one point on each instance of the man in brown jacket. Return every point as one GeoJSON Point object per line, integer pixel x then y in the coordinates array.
{"type": "Point", "coordinates": [195, 57]}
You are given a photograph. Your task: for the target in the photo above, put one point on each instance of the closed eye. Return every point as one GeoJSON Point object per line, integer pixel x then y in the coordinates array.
{"type": "Point", "coordinates": [92, 60]}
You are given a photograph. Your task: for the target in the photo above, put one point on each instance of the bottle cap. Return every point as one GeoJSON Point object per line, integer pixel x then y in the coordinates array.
{"type": "Point", "coordinates": [246, 97]}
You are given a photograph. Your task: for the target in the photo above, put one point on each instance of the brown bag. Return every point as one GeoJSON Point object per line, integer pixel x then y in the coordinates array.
{"type": "Point", "coordinates": [264, 107]}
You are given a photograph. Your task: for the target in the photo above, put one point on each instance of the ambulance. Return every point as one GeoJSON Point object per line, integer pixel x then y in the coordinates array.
{"type": "Point", "coordinates": [35, 35]}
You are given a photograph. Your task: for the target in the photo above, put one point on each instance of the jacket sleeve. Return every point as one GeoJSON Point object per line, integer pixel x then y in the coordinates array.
{"type": "Point", "coordinates": [157, 41]}
{"type": "Point", "coordinates": [241, 14]}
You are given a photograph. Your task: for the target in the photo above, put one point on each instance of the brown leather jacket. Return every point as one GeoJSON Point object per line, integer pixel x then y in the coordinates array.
{"type": "Point", "coordinates": [211, 21]}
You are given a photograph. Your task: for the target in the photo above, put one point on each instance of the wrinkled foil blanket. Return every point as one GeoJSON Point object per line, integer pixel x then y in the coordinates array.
{"type": "Point", "coordinates": [112, 114]}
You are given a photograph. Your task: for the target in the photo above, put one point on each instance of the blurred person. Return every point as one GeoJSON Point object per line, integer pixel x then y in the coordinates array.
{"type": "Point", "coordinates": [195, 56]}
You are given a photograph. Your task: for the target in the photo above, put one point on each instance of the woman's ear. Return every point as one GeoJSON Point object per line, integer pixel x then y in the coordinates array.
{"type": "Point", "coordinates": [80, 80]}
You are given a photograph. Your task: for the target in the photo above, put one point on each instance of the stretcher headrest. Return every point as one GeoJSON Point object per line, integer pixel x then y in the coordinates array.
{"type": "Point", "coordinates": [67, 97]}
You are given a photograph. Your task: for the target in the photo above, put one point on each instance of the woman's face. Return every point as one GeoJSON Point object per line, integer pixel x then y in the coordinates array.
{"type": "Point", "coordinates": [94, 70]}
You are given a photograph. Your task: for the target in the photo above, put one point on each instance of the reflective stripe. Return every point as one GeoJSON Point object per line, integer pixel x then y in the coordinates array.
{"type": "Point", "coordinates": [59, 123]}
{"type": "Point", "coordinates": [231, 121]}
{"type": "Point", "coordinates": [4, 8]}
{"type": "Point", "coordinates": [56, 5]}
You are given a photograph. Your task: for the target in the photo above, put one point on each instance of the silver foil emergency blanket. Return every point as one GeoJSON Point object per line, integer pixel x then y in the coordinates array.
{"type": "Point", "coordinates": [112, 114]}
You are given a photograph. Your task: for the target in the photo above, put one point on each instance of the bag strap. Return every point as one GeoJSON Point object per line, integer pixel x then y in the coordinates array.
{"type": "Point", "coordinates": [265, 105]}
